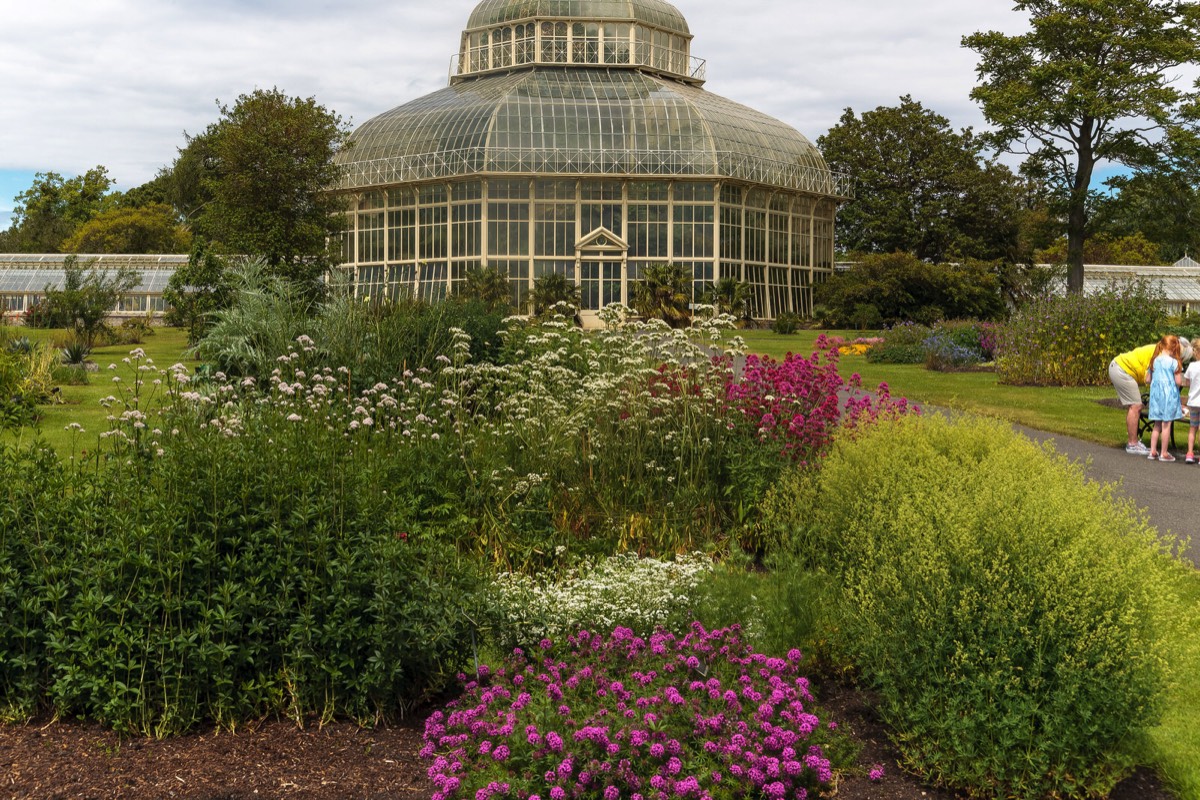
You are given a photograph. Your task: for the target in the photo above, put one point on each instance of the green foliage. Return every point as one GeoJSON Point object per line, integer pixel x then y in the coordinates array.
{"type": "Point", "coordinates": [152, 228]}
{"type": "Point", "coordinates": [664, 292]}
{"type": "Point", "coordinates": [370, 341]}
{"type": "Point", "coordinates": [266, 317]}
{"type": "Point", "coordinates": [1009, 613]}
{"type": "Point", "coordinates": [487, 286]}
{"type": "Point", "coordinates": [920, 187]}
{"type": "Point", "coordinates": [786, 323]}
{"type": "Point", "coordinates": [730, 296]}
{"type": "Point", "coordinates": [54, 207]}
{"type": "Point", "coordinates": [221, 580]}
{"type": "Point", "coordinates": [903, 343]}
{"type": "Point", "coordinates": [901, 288]}
{"type": "Point", "coordinates": [1102, 248]}
{"type": "Point", "coordinates": [264, 170]}
{"type": "Point", "coordinates": [88, 295]}
{"type": "Point", "coordinates": [26, 378]}
{"type": "Point", "coordinates": [1052, 92]}
{"type": "Point", "coordinates": [550, 290]}
{"type": "Point", "coordinates": [1070, 340]}
{"type": "Point", "coordinates": [196, 290]}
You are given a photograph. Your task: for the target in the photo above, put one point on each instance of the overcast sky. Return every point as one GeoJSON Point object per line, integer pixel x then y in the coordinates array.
{"type": "Point", "coordinates": [118, 82]}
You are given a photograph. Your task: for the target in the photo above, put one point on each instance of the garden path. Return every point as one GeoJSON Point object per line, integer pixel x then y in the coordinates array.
{"type": "Point", "coordinates": [1170, 493]}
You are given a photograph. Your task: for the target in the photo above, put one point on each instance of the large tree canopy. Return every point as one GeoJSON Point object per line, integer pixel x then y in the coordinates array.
{"type": "Point", "coordinates": [52, 209]}
{"type": "Point", "coordinates": [920, 187]}
{"type": "Point", "coordinates": [1090, 81]}
{"type": "Point", "coordinates": [151, 228]}
{"type": "Point", "coordinates": [256, 181]}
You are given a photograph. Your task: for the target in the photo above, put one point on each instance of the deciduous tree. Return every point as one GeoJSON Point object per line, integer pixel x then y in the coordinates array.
{"type": "Point", "coordinates": [920, 186]}
{"type": "Point", "coordinates": [257, 181]}
{"type": "Point", "coordinates": [151, 228]}
{"type": "Point", "coordinates": [1090, 81]}
{"type": "Point", "coordinates": [50, 210]}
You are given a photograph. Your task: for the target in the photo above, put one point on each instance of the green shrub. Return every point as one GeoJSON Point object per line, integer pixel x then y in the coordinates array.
{"type": "Point", "coordinates": [1069, 340]}
{"type": "Point", "coordinates": [903, 343]}
{"type": "Point", "coordinates": [1007, 611]}
{"type": "Point", "coordinates": [899, 287]}
{"type": "Point", "coordinates": [786, 323]}
{"type": "Point", "coordinates": [226, 578]}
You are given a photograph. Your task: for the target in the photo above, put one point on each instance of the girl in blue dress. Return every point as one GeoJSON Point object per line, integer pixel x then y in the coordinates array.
{"type": "Point", "coordinates": [1166, 367]}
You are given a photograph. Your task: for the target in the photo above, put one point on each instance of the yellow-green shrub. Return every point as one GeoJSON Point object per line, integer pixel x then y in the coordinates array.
{"type": "Point", "coordinates": [1005, 608]}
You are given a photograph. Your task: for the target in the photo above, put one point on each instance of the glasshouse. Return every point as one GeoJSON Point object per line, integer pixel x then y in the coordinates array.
{"type": "Point", "coordinates": [24, 278]}
{"type": "Point", "coordinates": [575, 138]}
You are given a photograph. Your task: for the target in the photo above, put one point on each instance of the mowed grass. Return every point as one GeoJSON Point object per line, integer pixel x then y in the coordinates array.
{"type": "Point", "coordinates": [81, 404]}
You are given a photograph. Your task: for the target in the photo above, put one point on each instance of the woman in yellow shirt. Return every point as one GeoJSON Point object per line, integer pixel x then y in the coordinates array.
{"type": "Point", "coordinates": [1128, 375]}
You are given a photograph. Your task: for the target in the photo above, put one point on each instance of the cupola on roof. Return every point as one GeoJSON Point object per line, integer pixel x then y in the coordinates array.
{"type": "Point", "coordinates": [654, 13]}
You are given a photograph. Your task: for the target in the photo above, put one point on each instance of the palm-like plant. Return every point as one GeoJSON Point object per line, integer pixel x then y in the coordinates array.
{"type": "Point", "coordinates": [730, 296]}
{"type": "Point", "coordinates": [551, 289]}
{"type": "Point", "coordinates": [487, 285]}
{"type": "Point", "coordinates": [664, 292]}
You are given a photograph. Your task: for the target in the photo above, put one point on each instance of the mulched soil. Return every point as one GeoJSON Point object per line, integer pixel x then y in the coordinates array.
{"type": "Point", "coordinates": [55, 759]}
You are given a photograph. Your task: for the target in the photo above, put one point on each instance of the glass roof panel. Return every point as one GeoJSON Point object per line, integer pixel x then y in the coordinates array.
{"type": "Point", "coordinates": [580, 121]}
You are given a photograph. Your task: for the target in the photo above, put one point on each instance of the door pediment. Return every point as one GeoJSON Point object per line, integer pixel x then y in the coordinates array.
{"type": "Point", "coordinates": [602, 240]}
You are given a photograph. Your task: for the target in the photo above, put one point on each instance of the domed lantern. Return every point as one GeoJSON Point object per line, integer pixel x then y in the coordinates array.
{"type": "Point", "coordinates": [575, 137]}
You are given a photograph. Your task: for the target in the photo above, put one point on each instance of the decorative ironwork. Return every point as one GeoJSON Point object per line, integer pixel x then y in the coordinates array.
{"type": "Point", "coordinates": [666, 163]}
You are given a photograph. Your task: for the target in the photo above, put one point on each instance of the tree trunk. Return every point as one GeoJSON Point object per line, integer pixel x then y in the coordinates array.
{"type": "Point", "coordinates": [1077, 208]}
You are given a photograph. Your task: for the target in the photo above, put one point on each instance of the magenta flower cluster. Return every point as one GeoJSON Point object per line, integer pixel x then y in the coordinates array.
{"type": "Point", "coordinates": [800, 402]}
{"type": "Point", "coordinates": [621, 717]}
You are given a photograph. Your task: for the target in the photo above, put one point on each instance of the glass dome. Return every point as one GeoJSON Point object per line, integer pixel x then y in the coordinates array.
{"type": "Point", "coordinates": [575, 138]}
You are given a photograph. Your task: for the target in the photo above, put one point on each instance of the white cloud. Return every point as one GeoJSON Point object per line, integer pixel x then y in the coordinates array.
{"type": "Point", "coordinates": [117, 82]}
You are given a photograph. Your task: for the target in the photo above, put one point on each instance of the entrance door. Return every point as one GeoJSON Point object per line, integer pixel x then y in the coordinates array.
{"type": "Point", "coordinates": [599, 283]}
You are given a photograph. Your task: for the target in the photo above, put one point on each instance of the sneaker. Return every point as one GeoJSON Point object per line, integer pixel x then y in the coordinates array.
{"type": "Point", "coordinates": [1190, 460]}
{"type": "Point", "coordinates": [1152, 457]}
{"type": "Point", "coordinates": [1166, 457]}
{"type": "Point", "coordinates": [1137, 449]}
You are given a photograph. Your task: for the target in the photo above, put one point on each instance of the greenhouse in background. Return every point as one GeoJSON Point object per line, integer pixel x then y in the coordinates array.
{"type": "Point", "coordinates": [24, 278]}
{"type": "Point", "coordinates": [575, 137]}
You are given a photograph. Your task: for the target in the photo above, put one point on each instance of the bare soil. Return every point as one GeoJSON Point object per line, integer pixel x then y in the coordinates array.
{"type": "Point", "coordinates": [56, 760]}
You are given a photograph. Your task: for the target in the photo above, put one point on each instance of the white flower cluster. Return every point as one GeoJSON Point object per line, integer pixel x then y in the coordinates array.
{"type": "Point", "coordinates": [638, 593]}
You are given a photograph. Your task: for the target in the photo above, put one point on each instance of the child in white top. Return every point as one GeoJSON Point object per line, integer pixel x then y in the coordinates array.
{"type": "Point", "coordinates": [1191, 379]}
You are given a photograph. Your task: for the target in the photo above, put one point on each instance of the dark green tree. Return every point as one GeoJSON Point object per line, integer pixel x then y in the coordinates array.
{"type": "Point", "coordinates": [899, 287]}
{"type": "Point", "coordinates": [196, 290]}
{"type": "Point", "coordinates": [664, 292]}
{"type": "Point", "coordinates": [920, 186]}
{"type": "Point", "coordinates": [54, 207]}
{"type": "Point", "coordinates": [1160, 201]}
{"type": "Point", "coordinates": [1090, 81]}
{"type": "Point", "coordinates": [88, 295]}
{"type": "Point", "coordinates": [256, 182]}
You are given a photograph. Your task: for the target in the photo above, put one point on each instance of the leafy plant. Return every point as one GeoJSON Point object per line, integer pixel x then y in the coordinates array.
{"type": "Point", "coordinates": [664, 292]}
{"type": "Point", "coordinates": [990, 614]}
{"type": "Point", "coordinates": [786, 323]}
{"type": "Point", "coordinates": [550, 290]}
{"type": "Point", "coordinates": [1069, 340]}
{"type": "Point", "coordinates": [487, 286]}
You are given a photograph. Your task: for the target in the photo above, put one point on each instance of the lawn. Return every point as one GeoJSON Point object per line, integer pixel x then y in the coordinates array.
{"type": "Point", "coordinates": [81, 404]}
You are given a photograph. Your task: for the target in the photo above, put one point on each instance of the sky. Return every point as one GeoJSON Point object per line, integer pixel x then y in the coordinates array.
{"type": "Point", "coordinates": [119, 82]}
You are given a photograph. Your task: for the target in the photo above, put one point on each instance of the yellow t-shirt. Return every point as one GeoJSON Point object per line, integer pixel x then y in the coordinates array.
{"type": "Point", "coordinates": [1136, 362]}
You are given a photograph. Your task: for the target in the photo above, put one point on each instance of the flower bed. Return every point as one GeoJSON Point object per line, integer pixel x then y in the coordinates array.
{"type": "Point", "coordinates": [698, 716]}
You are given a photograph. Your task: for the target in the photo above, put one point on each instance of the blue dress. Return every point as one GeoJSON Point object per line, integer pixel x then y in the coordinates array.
{"type": "Point", "coordinates": [1164, 393]}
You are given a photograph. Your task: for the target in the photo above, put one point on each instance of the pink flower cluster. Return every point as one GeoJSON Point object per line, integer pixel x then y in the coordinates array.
{"type": "Point", "coordinates": [800, 402]}
{"type": "Point", "coordinates": [622, 717]}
